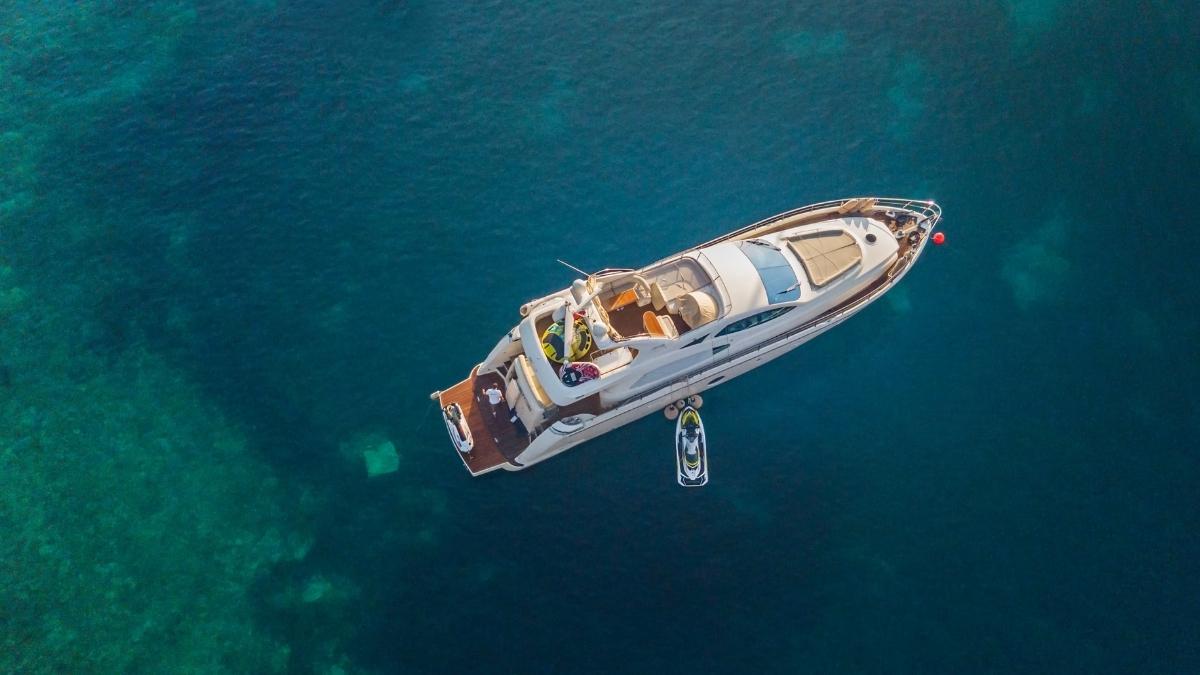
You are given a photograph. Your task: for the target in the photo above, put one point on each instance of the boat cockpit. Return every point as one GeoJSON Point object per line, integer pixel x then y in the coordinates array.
{"type": "Point", "coordinates": [615, 315]}
{"type": "Point", "coordinates": [664, 300]}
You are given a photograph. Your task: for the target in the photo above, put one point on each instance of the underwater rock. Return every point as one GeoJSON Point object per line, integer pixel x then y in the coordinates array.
{"type": "Point", "coordinates": [327, 589]}
{"type": "Point", "coordinates": [377, 452]}
{"type": "Point", "coordinates": [334, 319]}
{"type": "Point", "coordinates": [548, 116]}
{"type": "Point", "coordinates": [382, 459]}
{"type": "Point", "coordinates": [299, 546]}
{"type": "Point", "coordinates": [908, 94]}
{"type": "Point", "coordinates": [414, 84]}
{"type": "Point", "coordinates": [899, 300]}
{"type": "Point", "coordinates": [1034, 269]}
{"type": "Point", "coordinates": [318, 593]}
{"type": "Point", "coordinates": [316, 588]}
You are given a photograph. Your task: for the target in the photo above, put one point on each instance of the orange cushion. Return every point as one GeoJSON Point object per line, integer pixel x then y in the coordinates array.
{"type": "Point", "coordinates": [627, 297]}
{"type": "Point", "coordinates": [650, 322]}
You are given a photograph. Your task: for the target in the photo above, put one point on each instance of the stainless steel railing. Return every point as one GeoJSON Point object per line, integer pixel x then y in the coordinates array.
{"type": "Point", "coordinates": [926, 209]}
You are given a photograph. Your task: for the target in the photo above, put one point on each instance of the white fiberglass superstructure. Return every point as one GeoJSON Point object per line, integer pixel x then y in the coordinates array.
{"type": "Point", "coordinates": [623, 343]}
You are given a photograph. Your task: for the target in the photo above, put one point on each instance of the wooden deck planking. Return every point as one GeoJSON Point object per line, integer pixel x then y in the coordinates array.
{"type": "Point", "coordinates": [496, 440]}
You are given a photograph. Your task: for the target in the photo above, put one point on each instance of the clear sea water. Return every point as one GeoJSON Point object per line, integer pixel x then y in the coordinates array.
{"type": "Point", "coordinates": [312, 214]}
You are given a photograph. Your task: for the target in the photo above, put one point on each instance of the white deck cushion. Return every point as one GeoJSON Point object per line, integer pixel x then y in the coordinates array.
{"type": "Point", "coordinates": [530, 387]}
{"type": "Point", "coordinates": [668, 326]}
{"type": "Point", "coordinates": [697, 308]}
{"type": "Point", "coordinates": [612, 360]}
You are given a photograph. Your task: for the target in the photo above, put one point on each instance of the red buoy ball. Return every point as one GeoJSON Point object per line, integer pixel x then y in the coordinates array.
{"type": "Point", "coordinates": [939, 239]}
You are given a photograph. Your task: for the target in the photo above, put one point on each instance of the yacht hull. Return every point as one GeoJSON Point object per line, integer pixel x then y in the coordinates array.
{"type": "Point", "coordinates": [577, 419]}
{"type": "Point", "coordinates": [549, 444]}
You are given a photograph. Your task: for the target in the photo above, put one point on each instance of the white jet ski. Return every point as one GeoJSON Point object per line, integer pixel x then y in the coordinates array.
{"type": "Point", "coordinates": [691, 452]}
{"type": "Point", "coordinates": [456, 424]}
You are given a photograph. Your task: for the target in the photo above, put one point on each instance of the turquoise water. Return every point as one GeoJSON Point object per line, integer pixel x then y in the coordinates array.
{"type": "Point", "coordinates": [241, 242]}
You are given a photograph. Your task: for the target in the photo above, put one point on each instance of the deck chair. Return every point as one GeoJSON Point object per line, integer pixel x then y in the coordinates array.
{"type": "Point", "coordinates": [626, 297]}
{"type": "Point", "coordinates": [659, 326]}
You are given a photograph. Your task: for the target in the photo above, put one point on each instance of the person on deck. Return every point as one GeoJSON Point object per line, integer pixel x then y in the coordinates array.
{"type": "Point", "coordinates": [495, 397]}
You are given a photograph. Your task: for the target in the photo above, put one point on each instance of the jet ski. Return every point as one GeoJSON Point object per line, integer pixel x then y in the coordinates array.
{"type": "Point", "coordinates": [691, 452]}
{"type": "Point", "coordinates": [456, 424]}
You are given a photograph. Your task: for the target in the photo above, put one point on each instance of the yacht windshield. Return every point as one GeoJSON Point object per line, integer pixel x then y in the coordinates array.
{"type": "Point", "coordinates": [778, 278]}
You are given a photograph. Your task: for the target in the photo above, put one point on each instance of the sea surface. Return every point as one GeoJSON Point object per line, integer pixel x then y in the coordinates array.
{"type": "Point", "coordinates": [241, 242]}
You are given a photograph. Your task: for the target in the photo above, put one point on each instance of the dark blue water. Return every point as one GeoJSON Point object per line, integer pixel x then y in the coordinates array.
{"type": "Point", "coordinates": [319, 212]}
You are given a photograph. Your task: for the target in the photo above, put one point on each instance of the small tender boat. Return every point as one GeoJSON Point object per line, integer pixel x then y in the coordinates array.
{"type": "Point", "coordinates": [620, 344]}
{"type": "Point", "coordinates": [456, 424]}
{"type": "Point", "coordinates": [691, 451]}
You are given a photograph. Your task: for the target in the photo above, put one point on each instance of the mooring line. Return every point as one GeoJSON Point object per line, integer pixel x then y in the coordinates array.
{"type": "Point", "coordinates": [424, 418]}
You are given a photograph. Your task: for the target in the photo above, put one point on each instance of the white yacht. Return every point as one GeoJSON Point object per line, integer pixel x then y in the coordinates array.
{"type": "Point", "coordinates": [623, 343]}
